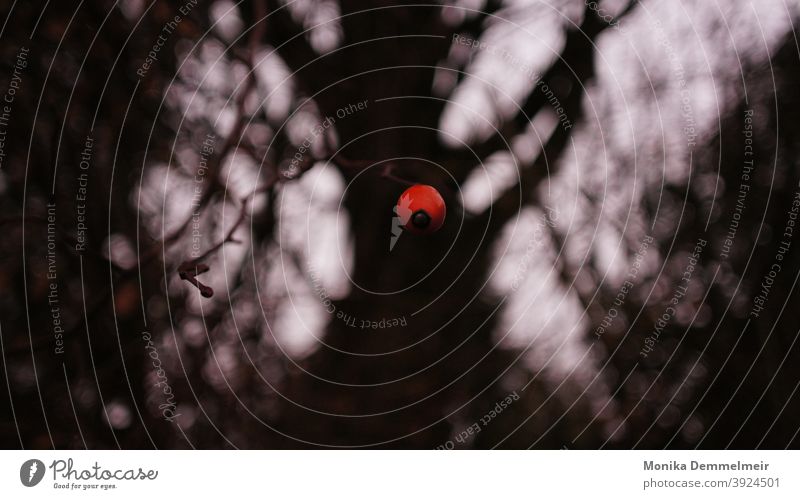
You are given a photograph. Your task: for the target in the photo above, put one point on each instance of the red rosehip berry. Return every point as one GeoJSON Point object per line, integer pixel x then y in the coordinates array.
{"type": "Point", "coordinates": [421, 209]}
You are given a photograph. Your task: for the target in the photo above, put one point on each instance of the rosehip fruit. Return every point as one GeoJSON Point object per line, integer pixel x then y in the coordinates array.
{"type": "Point", "coordinates": [421, 209]}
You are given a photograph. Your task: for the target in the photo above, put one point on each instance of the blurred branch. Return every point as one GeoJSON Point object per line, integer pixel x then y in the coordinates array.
{"type": "Point", "coordinates": [234, 138]}
{"type": "Point", "coordinates": [576, 61]}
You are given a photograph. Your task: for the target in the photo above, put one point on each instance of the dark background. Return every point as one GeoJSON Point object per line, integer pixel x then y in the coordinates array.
{"type": "Point", "coordinates": [240, 365]}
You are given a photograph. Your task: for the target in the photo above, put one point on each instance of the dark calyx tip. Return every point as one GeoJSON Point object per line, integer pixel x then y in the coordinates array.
{"type": "Point", "coordinates": [421, 219]}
